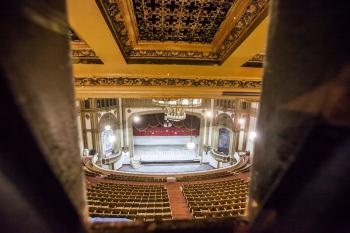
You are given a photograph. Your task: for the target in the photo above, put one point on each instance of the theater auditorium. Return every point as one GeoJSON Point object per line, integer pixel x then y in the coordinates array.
{"type": "Point", "coordinates": [174, 116]}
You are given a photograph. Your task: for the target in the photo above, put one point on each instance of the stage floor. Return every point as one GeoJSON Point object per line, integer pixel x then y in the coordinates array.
{"type": "Point", "coordinates": [159, 153]}
{"type": "Point", "coordinates": [170, 168]}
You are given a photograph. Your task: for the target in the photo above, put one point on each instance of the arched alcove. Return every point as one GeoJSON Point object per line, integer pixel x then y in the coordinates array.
{"type": "Point", "coordinates": [223, 136]}
{"type": "Point", "coordinates": [108, 128]}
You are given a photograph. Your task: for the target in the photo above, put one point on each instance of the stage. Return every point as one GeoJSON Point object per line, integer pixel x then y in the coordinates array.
{"type": "Point", "coordinates": [168, 168]}
{"type": "Point", "coordinates": [160, 154]}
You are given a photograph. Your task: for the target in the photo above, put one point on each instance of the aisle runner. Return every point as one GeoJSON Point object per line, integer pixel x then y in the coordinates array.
{"type": "Point", "coordinates": [178, 204]}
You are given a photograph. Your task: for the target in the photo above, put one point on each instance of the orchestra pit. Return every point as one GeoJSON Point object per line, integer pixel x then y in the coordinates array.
{"type": "Point", "coordinates": [166, 116]}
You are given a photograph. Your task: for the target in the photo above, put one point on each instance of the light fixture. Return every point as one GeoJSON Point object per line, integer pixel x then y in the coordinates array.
{"type": "Point", "coordinates": [167, 124]}
{"type": "Point", "coordinates": [252, 135]}
{"type": "Point", "coordinates": [136, 119]}
{"type": "Point", "coordinates": [190, 145]}
{"type": "Point", "coordinates": [175, 109]}
{"type": "Point", "coordinates": [107, 127]}
{"type": "Point", "coordinates": [241, 121]}
{"type": "Point", "coordinates": [112, 138]}
{"type": "Point", "coordinates": [209, 114]}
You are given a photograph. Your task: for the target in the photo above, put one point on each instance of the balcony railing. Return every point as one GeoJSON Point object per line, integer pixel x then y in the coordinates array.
{"type": "Point", "coordinates": [112, 159]}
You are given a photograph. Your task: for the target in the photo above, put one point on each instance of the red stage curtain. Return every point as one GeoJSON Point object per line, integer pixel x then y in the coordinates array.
{"type": "Point", "coordinates": [163, 131]}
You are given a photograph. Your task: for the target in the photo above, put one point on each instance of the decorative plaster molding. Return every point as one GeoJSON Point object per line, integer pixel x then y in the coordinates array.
{"type": "Point", "coordinates": [255, 62]}
{"type": "Point", "coordinates": [166, 82]}
{"type": "Point", "coordinates": [82, 53]}
{"type": "Point", "coordinates": [121, 24]}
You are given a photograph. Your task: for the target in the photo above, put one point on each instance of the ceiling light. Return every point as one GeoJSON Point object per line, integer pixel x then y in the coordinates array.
{"type": "Point", "coordinates": [107, 127]}
{"type": "Point", "coordinates": [241, 121]}
{"type": "Point", "coordinates": [136, 119]}
{"type": "Point", "coordinates": [209, 114]}
{"type": "Point", "coordinates": [190, 145]}
{"type": "Point", "coordinates": [252, 135]}
{"type": "Point", "coordinates": [112, 138]}
{"type": "Point", "coordinates": [175, 109]}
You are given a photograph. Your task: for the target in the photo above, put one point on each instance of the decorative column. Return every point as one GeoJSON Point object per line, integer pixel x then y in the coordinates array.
{"type": "Point", "coordinates": [120, 117]}
{"type": "Point", "coordinates": [236, 130]}
{"type": "Point", "coordinates": [246, 128]}
{"type": "Point", "coordinates": [83, 123]}
{"type": "Point", "coordinates": [201, 138]}
{"type": "Point", "coordinates": [211, 123]}
{"type": "Point", "coordinates": [95, 132]}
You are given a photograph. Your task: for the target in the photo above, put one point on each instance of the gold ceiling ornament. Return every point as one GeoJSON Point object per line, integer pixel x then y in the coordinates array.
{"type": "Point", "coordinates": [257, 61]}
{"type": "Point", "coordinates": [82, 53]}
{"type": "Point", "coordinates": [118, 81]}
{"type": "Point", "coordinates": [182, 31]}
{"type": "Point", "coordinates": [175, 109]}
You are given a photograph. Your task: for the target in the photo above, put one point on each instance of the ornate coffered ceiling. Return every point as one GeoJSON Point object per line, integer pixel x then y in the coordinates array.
{"type": "Point", "coordinates": [187, 21]}
{"type": "Point", "coordinates": [181, 31]}
{"type": "Point", "coordinates": [81, 51]}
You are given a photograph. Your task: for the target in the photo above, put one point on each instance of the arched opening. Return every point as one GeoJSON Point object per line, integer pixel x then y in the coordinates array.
{"type": "Point", "coordinates": [224, 140]}
{"type": "Point", "coordinates": [223, 134]}
{"type": "Point", "coordinates": [110, 142]}
{"type": "Point", "coordinates": [158, 140]}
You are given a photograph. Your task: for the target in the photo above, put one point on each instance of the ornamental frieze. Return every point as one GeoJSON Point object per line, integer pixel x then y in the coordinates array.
{"type": "Point", "coordinates": [165, 82]}
{"type": "Point", "coordinates": [81, 52]}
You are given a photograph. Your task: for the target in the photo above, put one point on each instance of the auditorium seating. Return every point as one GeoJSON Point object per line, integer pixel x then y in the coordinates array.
{"type": "Point", "coordinates": [91, 173]}
{"type": "Point", "coordinates": [144, 202]}
{"type": "Point", "coordinates": [205, 176]}
{"type": "Point", "coordinates": [135, 178]}
{"type": "Point", "coordinates": [217, 199]}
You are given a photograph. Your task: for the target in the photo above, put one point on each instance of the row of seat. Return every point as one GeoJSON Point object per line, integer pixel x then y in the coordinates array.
{"type": "Point", "coordinates": [90, 173]}
{"type": "Point", "coordinates": [130, 200]}
{"type": "Point", "coordinates": [145, 202]}
{"type": "Point", "coordinates": [114, 186]}
{"type": "Point", "coordinates": [144, 214]}
{"type": "Point", "coordinates": [218, 214]}
{"type": "Point", "coordinates": [135, 204]}
{"type": "Point", "coordinates": [135, 178]}
{"type": "Point", "coordinates": [233, 181]}
{"type": "Point", "coordinates": [208, 176]}
{"type": "Point", "coordinates": [216, 199]}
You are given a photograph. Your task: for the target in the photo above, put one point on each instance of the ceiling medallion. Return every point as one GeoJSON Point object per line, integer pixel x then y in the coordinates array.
{"type": "Point", "coordinates": [175, 109]}
{"type": "Point", "coordinates": [191, 32]}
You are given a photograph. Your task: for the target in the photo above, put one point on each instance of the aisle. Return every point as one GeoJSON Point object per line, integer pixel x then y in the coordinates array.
{"type": "Point", "coordinates": [177, 201]}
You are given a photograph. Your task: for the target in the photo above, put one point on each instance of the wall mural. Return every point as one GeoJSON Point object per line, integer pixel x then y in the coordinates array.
{"type": "Point", "coordinates": [224, 141]}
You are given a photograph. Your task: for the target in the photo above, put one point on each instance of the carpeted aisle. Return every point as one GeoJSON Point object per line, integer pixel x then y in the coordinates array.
{"type": "Point", "coordinates": [177, 201]}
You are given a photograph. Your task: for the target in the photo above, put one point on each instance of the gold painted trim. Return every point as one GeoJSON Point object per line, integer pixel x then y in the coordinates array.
{"type": "Point", "coordinates": [241, 20]}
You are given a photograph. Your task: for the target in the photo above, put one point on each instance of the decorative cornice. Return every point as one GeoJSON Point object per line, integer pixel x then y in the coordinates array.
{"type": "Point", "coordinates": [165, 82]}
{"type": "Point", "coordinates": [82, 53]}
{"type": "Point", "coordinates": [254, 12]}
{"type": "Point", "coordinates": [255, 62]}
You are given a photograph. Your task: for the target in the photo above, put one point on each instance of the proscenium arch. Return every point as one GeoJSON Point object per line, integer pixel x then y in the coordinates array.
{"type": "Point", "coordinates": [130, 127]}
